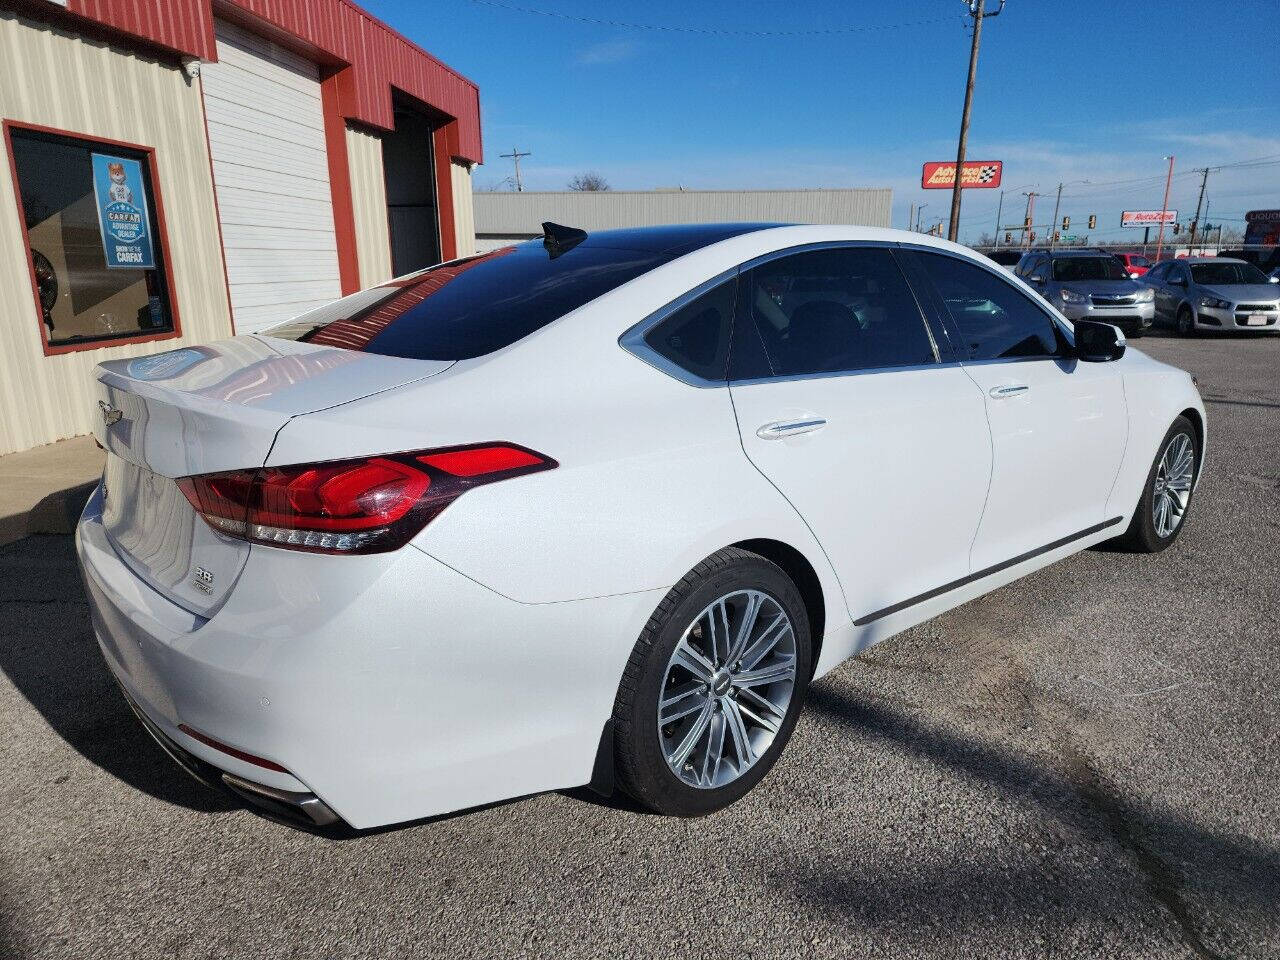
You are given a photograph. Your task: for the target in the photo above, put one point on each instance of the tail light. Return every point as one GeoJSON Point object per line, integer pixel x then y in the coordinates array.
{"type": "Point", "coordinates": [367, 505]}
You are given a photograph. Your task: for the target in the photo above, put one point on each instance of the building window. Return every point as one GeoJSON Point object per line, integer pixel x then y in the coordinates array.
{"type": "Point", "coordinates": [92, 225]}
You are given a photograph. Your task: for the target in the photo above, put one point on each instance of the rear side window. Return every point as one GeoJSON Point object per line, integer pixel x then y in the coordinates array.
{"type": "Point", "coordinates": [471, 307]}
{"type": "Point", "coordinates": [827, 311]}
{"type": "Point", "coordinates": [696, 336]}
{"type": "Point", "coordinates": [992, 319]}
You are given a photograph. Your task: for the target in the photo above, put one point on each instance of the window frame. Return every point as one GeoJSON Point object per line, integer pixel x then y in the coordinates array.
{"type": "Point", "coordinates": [162, 238]}
{"type": "Point", "coordinates": [634, 341]}
{"type": "Point", "coordinates": [942, 315]}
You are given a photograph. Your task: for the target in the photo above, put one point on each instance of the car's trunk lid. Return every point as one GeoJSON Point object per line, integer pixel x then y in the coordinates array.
{"type": "Point", "coordinates": [204, 410]}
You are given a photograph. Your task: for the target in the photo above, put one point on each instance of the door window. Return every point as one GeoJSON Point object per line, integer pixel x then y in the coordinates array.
{"type": "Point", "coordinates": [990, 318]}
{"type": "Point", "coordinates": [825, 311]}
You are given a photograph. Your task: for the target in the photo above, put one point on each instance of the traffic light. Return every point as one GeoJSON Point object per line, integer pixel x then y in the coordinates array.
{"type": "Point", "coordinates": [1093, 221]}
{"type": "Point", "coordinates": [1033, 236]}
{"type": "Point", "coordinates": [1008, 237]}
{"type": "Point", "coordinates": [1056, 236]}
{"type": "Point", "coordinates": [1026, 224]}
{"type": "Point", "coordinates": [1177, 227]}
{"type": "Point", "coordinates": [1066, 224]}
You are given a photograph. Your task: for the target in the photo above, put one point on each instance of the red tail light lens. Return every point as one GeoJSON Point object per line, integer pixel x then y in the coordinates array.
{"type": "Point", "coordinates": [368, 505]}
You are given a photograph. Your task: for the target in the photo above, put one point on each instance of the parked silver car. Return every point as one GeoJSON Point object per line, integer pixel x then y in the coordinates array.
{"type": "Point", "coordinates": [1215, 293]}
{"type": "Point", "coordinates": [1090, 285]}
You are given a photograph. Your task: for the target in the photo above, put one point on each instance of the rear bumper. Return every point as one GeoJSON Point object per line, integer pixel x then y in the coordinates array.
{"type": "Point", "coordinates": [389, 687]}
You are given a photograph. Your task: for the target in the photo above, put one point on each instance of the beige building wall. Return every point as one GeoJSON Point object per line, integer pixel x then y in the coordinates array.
{"type": "Point", "coordinates": [464, 211]}
{"type": "Point", "coordinates": [369, 202]}
{"type": "Point", "coordinates": [53, 78]}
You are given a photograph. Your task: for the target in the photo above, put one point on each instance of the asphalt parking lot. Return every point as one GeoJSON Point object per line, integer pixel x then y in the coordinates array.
{"type": "Point", "coordinates": [1085, 763]}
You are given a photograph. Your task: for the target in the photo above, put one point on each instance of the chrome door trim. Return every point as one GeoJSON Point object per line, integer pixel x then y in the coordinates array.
{"type": "Point", "coordinates": [633, 338]}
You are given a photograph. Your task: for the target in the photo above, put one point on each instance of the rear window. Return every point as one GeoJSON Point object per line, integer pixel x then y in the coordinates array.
{"type": "Point", "coordinates": [1069, 269]}
{"type": "Point", "coordinates": [474, 306]}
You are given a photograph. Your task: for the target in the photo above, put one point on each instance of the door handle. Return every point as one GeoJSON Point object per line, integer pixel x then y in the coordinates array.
{"type": "Point", "coordinates": [789, 428]}
{"type": "Point", "coordinates": [1008, 390]}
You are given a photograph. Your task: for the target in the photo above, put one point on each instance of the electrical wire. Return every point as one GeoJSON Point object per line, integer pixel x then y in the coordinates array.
{"type": "Point", "coordinates": [706, 31]}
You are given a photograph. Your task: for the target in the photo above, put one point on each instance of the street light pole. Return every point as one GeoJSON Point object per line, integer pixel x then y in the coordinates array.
{"type": "Point", "coordinates": [919, 212]}
{"type": "Point", "coordinates": [999, 210]}
{"type": "Point", "coordinates": [977, 10]}
{"type": "Point", "coordinates": [1164, 209]}
{"type": "Point", "coordinates": [1053, 226]}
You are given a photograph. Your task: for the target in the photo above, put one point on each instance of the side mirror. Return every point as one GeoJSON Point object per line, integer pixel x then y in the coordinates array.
{"type": "Point", "coordinates": [1098, 342]}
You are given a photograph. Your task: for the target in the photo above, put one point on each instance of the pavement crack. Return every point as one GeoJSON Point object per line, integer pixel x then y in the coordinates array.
{"type": "Point", "coordinates": [1161, 880]}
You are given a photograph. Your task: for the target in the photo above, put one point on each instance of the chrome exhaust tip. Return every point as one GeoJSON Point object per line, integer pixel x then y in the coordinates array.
{"type": "Point", "coordinates": [294, 807]}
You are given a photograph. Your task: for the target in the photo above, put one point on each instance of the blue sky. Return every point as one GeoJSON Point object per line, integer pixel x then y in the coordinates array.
{"type": "Point", "coordinates": [1067, 91]}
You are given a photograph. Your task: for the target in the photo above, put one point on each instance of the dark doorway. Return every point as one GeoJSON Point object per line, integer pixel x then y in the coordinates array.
{"type": "Point", "coordinates": [408, 161]}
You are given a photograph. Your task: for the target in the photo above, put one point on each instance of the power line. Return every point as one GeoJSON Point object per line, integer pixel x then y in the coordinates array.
{"type": "Point", "coordinates": [707, 31]}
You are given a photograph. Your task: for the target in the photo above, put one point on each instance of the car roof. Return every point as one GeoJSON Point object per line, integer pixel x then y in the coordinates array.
{"type": "Point", "coordinates": [672, 239]}
{"type": "Point", "coordinates": [1212, 260]}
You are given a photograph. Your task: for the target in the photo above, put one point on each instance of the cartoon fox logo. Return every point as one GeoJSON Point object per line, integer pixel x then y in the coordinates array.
{"type": "Point", "coordinates": [119, 191]}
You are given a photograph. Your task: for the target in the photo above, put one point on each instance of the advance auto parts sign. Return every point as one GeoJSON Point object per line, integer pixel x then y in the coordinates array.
{"type": "Point", "coordinates": [122, 212]}
{"type": "Point", "coordinates": [978, 174]}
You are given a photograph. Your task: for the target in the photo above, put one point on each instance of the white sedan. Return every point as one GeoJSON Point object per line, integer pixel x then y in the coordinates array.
{"type": "Point", "coordinates": [596, 509]}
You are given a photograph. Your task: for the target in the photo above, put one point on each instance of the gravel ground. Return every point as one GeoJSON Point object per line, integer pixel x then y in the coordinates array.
{"type": "Point", "coordinates": [1084, 763]}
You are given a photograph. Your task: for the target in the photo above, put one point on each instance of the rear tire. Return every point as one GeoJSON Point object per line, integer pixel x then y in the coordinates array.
{"type": "Point", "coordinates": [1186, 321]}
{"type": "Point", "coordinates": [1154, 527]}
{"type": "Point", "coordinates": [712, 693]}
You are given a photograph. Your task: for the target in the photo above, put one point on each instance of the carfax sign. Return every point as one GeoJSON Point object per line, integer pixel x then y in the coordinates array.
{"type": "Point", "coordinates": [122, 212]}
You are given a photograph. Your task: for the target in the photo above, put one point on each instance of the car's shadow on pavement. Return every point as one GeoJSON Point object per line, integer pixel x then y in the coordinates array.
{"type": "Point", "coordinates": [48, 652]}
{"type": "Point", "coordinates": [1164, 846]}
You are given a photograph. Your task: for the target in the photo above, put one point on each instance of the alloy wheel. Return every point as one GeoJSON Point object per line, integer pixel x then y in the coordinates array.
{"type": "Point", "coordinates": [1172, 491]}
{"type": "Point", "coordinates": [727, 688]}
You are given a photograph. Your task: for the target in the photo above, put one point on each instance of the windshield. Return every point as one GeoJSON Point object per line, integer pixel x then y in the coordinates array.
{"type": "Point", "coordinates": [1088, 268]}
{"type": "Point", "coordinates": [1226, 274]}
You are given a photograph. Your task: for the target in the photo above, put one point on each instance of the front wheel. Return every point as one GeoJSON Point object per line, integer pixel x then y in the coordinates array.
{"type": "Point", "coordinates": [1166, 498]}
{"type": "Point", "coordinates": [1186, 321]}
{"type": "Point", "coordinates": [714, 686]}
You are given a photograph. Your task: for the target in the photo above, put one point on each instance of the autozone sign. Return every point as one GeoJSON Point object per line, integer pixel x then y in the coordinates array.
{"type": "Point", "coordinates": [1147, 218]}
{"type": "Point", "coordinates": [978, 174]}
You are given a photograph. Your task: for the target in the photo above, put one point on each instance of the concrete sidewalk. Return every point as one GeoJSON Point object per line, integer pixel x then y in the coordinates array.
{"type": "Point", "coordinates": [43, 490]}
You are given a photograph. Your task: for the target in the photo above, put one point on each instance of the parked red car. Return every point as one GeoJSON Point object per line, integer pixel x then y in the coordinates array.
{"type": "Point", "coordinates": [1134, 263]}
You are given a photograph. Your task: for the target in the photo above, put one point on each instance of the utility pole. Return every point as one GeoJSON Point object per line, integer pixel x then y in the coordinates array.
{"type": "Point", "coordinates": [919, 215]}
{"type": "Point", "coordinates": [1204, 180]}
{"type": "Point", "coordinates": [1027, 222]}
{"type": "Point", "coordinates": [999, 210]}
{"type": "Point", "coordinates": [1164, 209]}
{"type": "Point", "coordinates": [1053, 226]}
{"type": "Point", "coordinates": [978, 11]}
{"type": "Point", "coordinates": [515, 155]}
{"type": "Point", "coordinates": [911, 215]}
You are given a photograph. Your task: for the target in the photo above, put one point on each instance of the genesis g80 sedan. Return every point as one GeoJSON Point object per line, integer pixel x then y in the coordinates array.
{"type": "Point", "coordinates": [596, 508]}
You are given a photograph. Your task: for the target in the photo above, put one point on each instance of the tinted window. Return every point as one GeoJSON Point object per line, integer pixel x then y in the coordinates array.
{"type": "Point", "coordinates": [1226, 273]}
{"type": "Point", "coordinates": [1137, 261]}
{"type": "Point", "coordinates": [471, 307]}
{"type": "Point", "coordinates": [696, 337]}
{"type": "Point", "coordinates": [991, 318]}
{"type": "Point", "coordinates": [1157, 272]}
{"type": "Point", "coordinates": [827, 311]}
{"type": "Point", "coordinates": [1069, 269]}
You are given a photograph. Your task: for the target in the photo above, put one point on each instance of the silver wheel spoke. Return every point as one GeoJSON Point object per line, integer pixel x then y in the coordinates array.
{"type": "Point", "coordinates": [760, 718]}
{"type": "Point", "coordinates": [749, 617]}
{"type": "Point", "coordinates": [715, 750]}
{"type": "Point", "coordinates": [692, 737]}
{"type": "Point", "coordinates": [769, 639]}
{"type": "Point", "coordinates": [690, 698]}
{"type": "Point", "coordinates": [738, 730]}
{"type": "Point", "coordinates": [718, 621]}
{"type": "Point", "coordinates": [772, 673]}
{"type": "Point", "coordinates": [693, 661]}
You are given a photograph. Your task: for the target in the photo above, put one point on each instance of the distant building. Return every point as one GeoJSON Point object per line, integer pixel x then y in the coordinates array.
{"type": "Point", "coordinates": [502, 218]}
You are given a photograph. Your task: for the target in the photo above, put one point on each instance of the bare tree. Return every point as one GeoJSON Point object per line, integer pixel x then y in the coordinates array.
{"type": "Point", "coordinates": [590, 182]}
